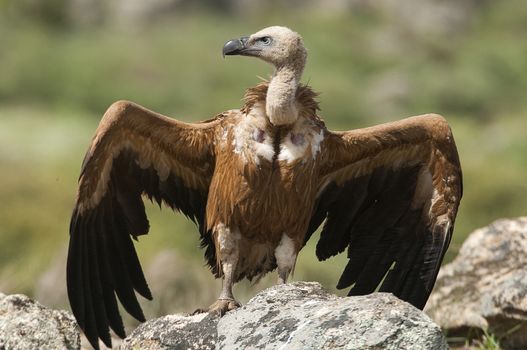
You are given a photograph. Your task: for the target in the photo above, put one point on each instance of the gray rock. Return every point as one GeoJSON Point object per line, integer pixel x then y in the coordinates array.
{"type": "Point", "coordinates": [485, 287]}
{"type": "Point", "coordinates": [304, 316]}
{"type": "Point", "coordinates": [300, 315]}
{"type": "Point", "coordinates": [26, 324]}
{"type": "Point", "coordinates": [174, 332]}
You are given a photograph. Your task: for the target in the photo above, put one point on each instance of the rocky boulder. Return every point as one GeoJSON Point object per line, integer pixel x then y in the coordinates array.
{"type": "Point", "coordinates": [485, 287]}
{"type": "Point", "coordinates": [175, 332]}
{"type": "Point", "coordinates": [26, 324]}
{"type": "Point", "coordinates": [300, 315]}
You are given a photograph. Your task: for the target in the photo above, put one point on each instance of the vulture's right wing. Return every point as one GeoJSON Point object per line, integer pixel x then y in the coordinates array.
{"type": "Point", "coordinates": [134, 152]}
{"type": "Point", "coordinates": [389, 194]}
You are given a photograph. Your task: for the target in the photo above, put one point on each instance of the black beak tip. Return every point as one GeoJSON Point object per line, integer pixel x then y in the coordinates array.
{"type": "Point", "coordinates": [232, 47]}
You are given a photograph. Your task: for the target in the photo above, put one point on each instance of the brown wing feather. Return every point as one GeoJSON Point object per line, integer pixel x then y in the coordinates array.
{"type": "Point", "coordinates": [389, 194]}
{"type": "Point", "coordinates": [134, 152]}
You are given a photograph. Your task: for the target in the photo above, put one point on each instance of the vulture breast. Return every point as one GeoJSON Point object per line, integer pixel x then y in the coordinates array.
{"type": "Point", "coordinates": [262, 184]}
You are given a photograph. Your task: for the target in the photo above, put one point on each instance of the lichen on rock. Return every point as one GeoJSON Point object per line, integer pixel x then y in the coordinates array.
{"type": "Point", "coordinates": [485, 287]}
{"type": "Point", "coordinates": [299, 315]}
{"type": "Point", "coordinates": [26, 324]}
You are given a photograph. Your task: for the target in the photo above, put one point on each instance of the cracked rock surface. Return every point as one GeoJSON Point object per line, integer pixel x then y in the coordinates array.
{"type": "Point", "coordinates": [26, 324]}
{"type": "Point", "coordinates": [299, 315]}
{"type": "Point", "coordinates": [485, 287]}
{"type": "Point", "coordinates": [174, 332]}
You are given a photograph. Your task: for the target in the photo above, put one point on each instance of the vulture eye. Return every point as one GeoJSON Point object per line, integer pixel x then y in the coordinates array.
{"type": "Point", "coordinates": [266, 40]}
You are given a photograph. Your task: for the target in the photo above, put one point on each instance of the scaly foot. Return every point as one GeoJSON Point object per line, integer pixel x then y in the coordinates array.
{"type": "Point", "coordinates": [220, 307]}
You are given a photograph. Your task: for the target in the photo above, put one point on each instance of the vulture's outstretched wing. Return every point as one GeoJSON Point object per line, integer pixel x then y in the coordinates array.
{"type": "Point", "coordinates": [134, 152]}
{"type": "Point", "coordinates": [389, 194]}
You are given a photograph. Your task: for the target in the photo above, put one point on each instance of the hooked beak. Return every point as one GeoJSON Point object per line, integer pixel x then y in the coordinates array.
{"type": "Point", "coordinates": [236, 47]}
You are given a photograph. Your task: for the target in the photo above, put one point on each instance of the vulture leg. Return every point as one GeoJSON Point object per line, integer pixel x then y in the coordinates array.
{"type": "Point", "coordinates": [227, 241]}
{"type": "Point", "coordinates": [285, 255]}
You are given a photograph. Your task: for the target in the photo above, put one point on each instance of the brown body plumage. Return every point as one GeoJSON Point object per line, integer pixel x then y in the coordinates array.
{"type": "Point", "coordinates": [260, 186]}
{"type": "Point", "coordinates": [258, 182]}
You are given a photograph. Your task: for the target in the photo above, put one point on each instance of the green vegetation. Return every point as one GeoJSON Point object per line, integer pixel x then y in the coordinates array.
{"type": "Point", "coordinates": [488, 342]}
{"type": "Point", "coordinates": [485, 341]}
{"type": "Point", "coordinates": [56, 82]}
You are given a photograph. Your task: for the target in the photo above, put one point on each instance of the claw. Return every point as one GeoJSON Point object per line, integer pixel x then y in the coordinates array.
{"type": "Point", "coordinates": [220, 307]}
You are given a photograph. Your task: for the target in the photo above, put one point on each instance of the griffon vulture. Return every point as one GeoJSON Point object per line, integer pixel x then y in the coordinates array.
{"type": "Point", "coordinates": [258, 181]}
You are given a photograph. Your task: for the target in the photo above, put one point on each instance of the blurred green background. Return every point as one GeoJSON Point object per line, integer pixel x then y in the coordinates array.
{"type": "Point", "coordinates": [62, 63]}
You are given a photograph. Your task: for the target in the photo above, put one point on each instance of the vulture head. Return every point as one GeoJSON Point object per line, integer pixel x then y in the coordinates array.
{"type": "Point", "coordinates": [284, 49]}
{"type": "Point", "coordinates": [279, 46]}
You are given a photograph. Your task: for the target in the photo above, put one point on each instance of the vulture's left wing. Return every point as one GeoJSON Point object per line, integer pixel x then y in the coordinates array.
{"type": "Point", "coordinates": [134, 152]}
{"type": "Point", "coordinates": [389, 194]}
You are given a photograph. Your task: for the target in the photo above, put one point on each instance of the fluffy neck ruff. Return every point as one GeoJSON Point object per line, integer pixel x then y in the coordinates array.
{"type": "Point", "coordinates": [304, 100]}
{"type": "Point", "coordinates": [281, 107]}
